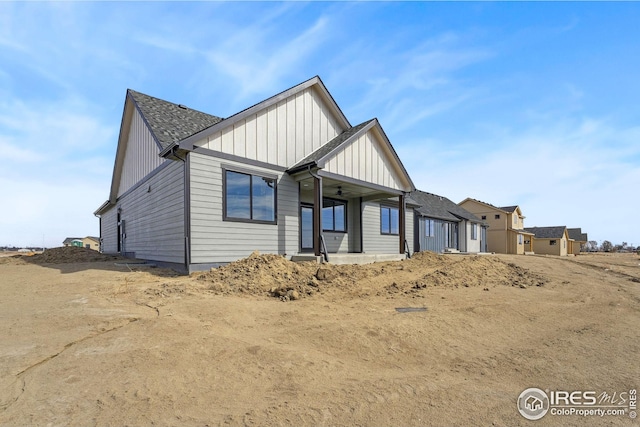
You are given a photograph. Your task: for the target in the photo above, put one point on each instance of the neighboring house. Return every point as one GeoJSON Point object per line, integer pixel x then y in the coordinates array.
{"type": "Point", "coordinates": [441, 225]}
{"type": "Point", "coordinates": [577, 240]}
{"type": "Point", "coordinates": [506, 233]}
{"type": "Point", "coordinates": [550, 240]}
{"type": "Point", "coordinates": [289, 175]}
{"type": "Point", "coordinates": [88, 242]}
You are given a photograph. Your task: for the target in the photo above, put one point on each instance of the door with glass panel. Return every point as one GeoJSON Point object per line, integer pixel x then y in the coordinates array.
{"type": "Point", "coordinates": [306, 228]}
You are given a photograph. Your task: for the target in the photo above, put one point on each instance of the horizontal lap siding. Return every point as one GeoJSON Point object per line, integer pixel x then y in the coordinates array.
{"type": "Point", "coordinates": [216, 241]}
{"type": "Point", "coordinates": [155, 219]}
{"type": "Point", "coordinates": [109, 231]}
{"type": "Point", "coordinates": [376, 242]}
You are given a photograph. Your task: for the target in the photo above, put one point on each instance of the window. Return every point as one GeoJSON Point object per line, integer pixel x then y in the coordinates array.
{"type": "Point", "coordinates": [334, 215]}
{"type": "Point", "coordinates": [484, 217]}
{"type": "Point", "coordinates": [474, 231]}
{"type": "Point", "coordinates": [515, 219]}
{"type": "Point", "coordinates": [552, 242]}
{"type": "Point", "coordinates": [389, 220]}
{"type": "Point", "coordinates": [249, 197]}
{"type": "Point", "coordinates": [520, 239]}
{"type": "Point", "coordinates": [497, 216]}
{"type": "Point", "coordinates": [429, 228]}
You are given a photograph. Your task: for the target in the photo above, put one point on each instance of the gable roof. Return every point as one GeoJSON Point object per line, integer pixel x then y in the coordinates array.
{"type": "Point", "coordinates": [170, 123]}
{"type": "Point", "coordinates": [575, 233]}
{"type": "Point", "coordinates": [505, 209]}
{"type": "Point", "coordinates": [509, 209]}
{"type": "Point", "coordinates": [434, 206]}
{"type": "Point", "coordinates": [68, 240]}
{"type": "Point", "coordinates": [555, 232]}
{"type": "Point", "coordinates": [315, 82]}
{"type": "Point", "coordinates": [325, 150]}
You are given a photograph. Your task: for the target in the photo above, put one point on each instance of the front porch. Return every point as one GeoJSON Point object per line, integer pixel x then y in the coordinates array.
{"type": "Point", "coordinates": [339, 259]}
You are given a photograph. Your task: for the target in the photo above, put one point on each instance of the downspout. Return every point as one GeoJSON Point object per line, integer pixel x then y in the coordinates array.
{"type": "Point", "coordinates": [187, 205]}
{"type": "Point", "coordinates": [317, 217]}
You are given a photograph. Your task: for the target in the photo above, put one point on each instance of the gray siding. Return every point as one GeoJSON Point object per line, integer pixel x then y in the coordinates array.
{"type": "Point", "coordinates": [108, 231]}
{"type": "Point", "coordinates": [153, 212]}
{"type": "Point", "coordinates": [435, 243]}
{"type": "Point", "coordinates": [216, 241]}
{"type": "Point", "coordinates": [373, 241]}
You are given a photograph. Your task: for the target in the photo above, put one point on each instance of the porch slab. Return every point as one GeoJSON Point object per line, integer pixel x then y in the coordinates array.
{"type": "Point", "coordinates": [363, 258]}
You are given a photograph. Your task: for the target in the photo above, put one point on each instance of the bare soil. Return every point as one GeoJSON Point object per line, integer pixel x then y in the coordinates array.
{"type": "Point", "coordinates": [435, 340]}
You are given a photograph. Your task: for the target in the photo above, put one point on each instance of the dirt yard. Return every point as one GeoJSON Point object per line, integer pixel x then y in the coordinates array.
{"type": "Point", "coordinates": [435, 340]}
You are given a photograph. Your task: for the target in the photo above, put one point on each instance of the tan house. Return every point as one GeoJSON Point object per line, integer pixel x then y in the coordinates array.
{"type": "Point", "coordinates": [88, 242]}
{"type": "Point", "coordinates": [506, 233]}
{"type": "Point", "coordinates": [551, 240]}
{"type": "Point", "coordinates": [577, 240]}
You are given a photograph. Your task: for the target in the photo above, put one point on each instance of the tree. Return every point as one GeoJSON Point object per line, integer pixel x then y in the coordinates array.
{"type": "Point", "coordinates": [592, 246]}
{"type": "Point", "coordinates": [606, 246]}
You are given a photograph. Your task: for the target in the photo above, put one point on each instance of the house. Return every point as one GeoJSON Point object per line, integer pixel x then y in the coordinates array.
{"type": "Point", "coordinates": [550, 240]}
{"type": "Point", "coordinates": [506, 233]}
{"type": "Point", "coordinates": [443, 226]}
{"type": "Point", "coordinates": [289, 175]}
{"type": "Point", "coordinates": [88, 242]}
{"type": "Point", "coordinates": [577, 240]}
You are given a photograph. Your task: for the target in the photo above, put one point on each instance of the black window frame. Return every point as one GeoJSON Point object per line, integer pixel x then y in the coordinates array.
{"type": "Point", "coordinates": [390, 222]}
{"type": "Point", "coordinates": [333, 202]}
{"type": "Point", "coordinates": [429, 227]}
{"type": "Point", "coordinates": [497, 216]}
{"type": "Point", "coordinates": [251, 174]}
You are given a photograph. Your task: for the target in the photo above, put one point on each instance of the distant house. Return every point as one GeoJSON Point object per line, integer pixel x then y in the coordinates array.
{"type": "Point", "coordinates": [550, 240]}
{"type": "Point", "coordinates": [577, 240]}
{"type": "Point", "coordinates": [289, 175]}
{"type": "Point", "coordinates": [88, 242]}
{"type": "Point", "coordinates": [441, 225]}
{"type": "Point", "coordinates": [506, 233]}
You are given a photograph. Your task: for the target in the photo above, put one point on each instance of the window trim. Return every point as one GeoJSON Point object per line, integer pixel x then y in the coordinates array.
{"type": "Point", "coordinates": [390, 223]}
{"type": "Point", "coordinates": [339, 202]}
{"type": "Point", "coordinates": [251, 174]}
{"type": "Point", "coordinates": [429, 227]}
{"type": "Point", "coordinates": [474, 231]}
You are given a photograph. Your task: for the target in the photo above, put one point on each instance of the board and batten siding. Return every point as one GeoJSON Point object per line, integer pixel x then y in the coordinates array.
{"type": "Point", "coordinates": [373, 241]}
{"type": "Point", "coordinates": [141, 154]}
{"type": "Point", "coordinates": [109, 231]}
{"type": "Point", "coordinates": [154, 216]}
{"type": "Point", "coordinates": [366, 159]}
{"type": "Point", "coordinates": [437, 242]}
{"type": "Point", "coordinates": [214, 240]}
{"type": "Point", "coordinates": [282, 134]}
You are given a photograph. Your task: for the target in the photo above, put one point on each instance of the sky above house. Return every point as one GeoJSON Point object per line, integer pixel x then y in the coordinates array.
{"type": "Point", "coordinates": [529, 104]}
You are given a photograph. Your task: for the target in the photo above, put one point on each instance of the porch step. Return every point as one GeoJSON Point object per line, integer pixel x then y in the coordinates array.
{"type": "Point", "coordinates": [451, 251]}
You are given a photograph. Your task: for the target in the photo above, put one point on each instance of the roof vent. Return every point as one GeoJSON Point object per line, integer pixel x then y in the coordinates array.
{"type": "Point", "coordinates": [184, 107]}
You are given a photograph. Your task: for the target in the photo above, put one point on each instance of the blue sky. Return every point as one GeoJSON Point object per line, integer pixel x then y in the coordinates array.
{"type": "Point", "coordinates": [535, 104]}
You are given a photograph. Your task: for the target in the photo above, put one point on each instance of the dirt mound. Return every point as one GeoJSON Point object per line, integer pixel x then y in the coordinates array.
{"type": "Point", "coordinates": [69, 254]}
{"type": "Point", "coordinates": [263, 274]}
{"type": "Point", "coordinates": [274, 275]}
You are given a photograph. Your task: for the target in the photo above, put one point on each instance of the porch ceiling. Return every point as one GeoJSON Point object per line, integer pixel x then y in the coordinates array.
{"type": "Point", "coordinates": [341, 189]}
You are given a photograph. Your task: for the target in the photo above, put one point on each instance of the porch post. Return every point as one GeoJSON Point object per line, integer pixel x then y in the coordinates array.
{"type": "Point", "coordinates": [401, 222]}
{"type": "Point", "coordinates": [317, 214]}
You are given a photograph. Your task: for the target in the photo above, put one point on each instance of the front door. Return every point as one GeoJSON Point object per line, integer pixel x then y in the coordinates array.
{"type": "Point", "coordinates": [306, 228]}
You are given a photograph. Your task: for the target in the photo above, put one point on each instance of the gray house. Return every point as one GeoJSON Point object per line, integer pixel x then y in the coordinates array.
{"type": "Point", "coordinates": [289, 175]}
{"type": "Point", "coordinates": [442, 225]}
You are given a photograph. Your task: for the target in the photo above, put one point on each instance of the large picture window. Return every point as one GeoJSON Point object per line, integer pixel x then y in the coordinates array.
{"type": "Point", "coordinates": [334, 215]}
{"type": "Point", "coordinates": [249, 197]}
{"type": "Point", "coordinates": [389, 220]}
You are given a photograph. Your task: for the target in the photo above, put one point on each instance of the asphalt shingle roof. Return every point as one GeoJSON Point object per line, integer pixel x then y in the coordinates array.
{"type": "Point", "coordinates": [547, 232]}
{"type": "Point", "coordinates": [508, 208]}
{"type": "Point", "coordinates": [331, 145]}
{"type": "Point", "coordinates": [434, 206]}
{"type": "Point", "coordinates": [577, 234]}
{"type": "Point", "coordinates": [170, 123]}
